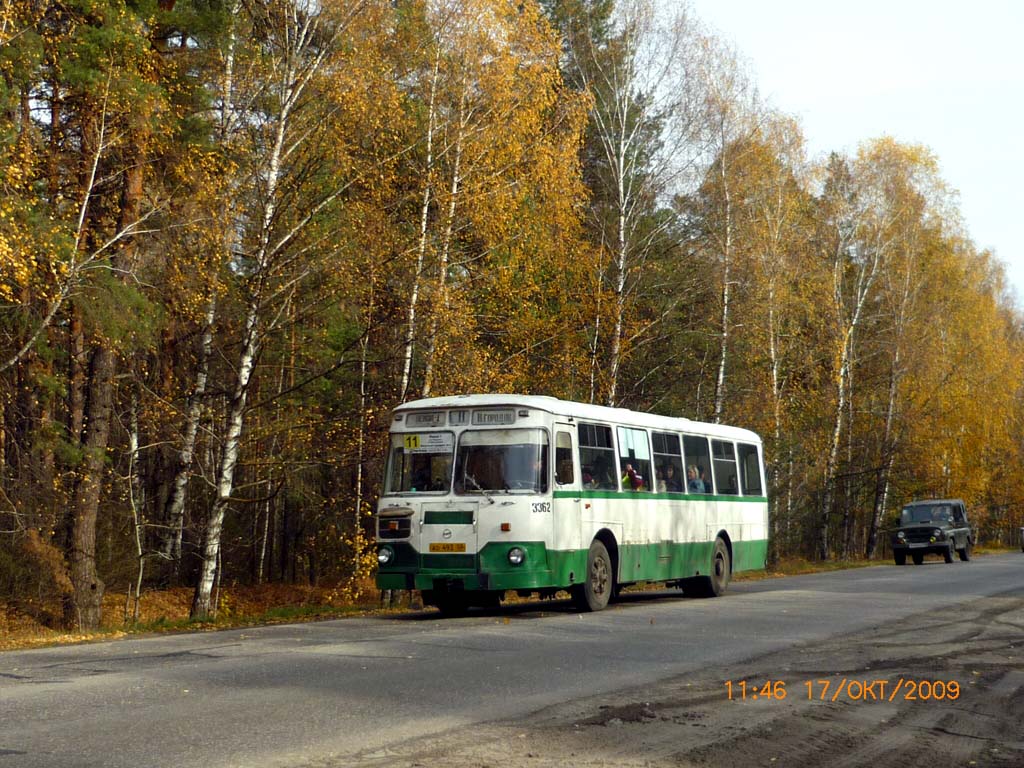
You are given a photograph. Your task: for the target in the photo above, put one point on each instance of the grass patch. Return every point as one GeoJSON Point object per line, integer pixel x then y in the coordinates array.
{"type": "Point", "coordinates": [796, 566]}
{"type": "Point", "coordinates": [167, 611]}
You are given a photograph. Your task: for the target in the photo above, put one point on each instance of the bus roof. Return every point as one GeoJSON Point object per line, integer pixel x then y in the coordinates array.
{"type": "Point", "coordinates": [585, 411]}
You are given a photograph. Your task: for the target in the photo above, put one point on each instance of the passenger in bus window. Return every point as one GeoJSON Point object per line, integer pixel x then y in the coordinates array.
{"type": "Point", "coordinates": [589, 481]}
{"type": "Point", "coordinates": [705, 478]}
{"type": "Point", "coordinates": [632, 479]}
{"type": "Point", "coordinates": [693, 482]}
{"type": "Point", "coordinates": [604, 477]}
{"type": "Point", "coordinates": [420, 475]}
{"type": "Point", "coordinates": [672, 482]}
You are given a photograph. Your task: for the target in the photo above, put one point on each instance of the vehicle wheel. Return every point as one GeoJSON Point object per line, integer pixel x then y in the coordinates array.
{"type": "Point", "coordinates": [900, 558]}
{"type": "Point", "coordinates": [716, 584]}
{"type": "Point", "coordinates": [965, 553]}
{"type": "Point", "coordinates": [593, 594]}
{"type": "Point", "coordinates": [452, 606]}
{"type": "Point", "coordinates": [948, 554]}
{"type": "Point", "coordinates": [918, 558]}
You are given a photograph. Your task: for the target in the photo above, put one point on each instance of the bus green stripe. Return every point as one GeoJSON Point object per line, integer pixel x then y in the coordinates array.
{"type": "Point", "coordinates": [546, 568]}
{"type": "Point", "coordinates": [448, 517]}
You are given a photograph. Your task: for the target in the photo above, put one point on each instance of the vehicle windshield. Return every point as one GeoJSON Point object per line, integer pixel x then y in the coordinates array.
{"type": "Point", "coordinates": [926, 513]}
{"type": "Point", "coordinates": [420, 462]}
{"type": "Point", "coordinates": [502, 460]}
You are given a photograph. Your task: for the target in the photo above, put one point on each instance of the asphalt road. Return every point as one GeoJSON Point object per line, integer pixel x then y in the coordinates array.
{"type": "Point", "coordinates": [313, 693]}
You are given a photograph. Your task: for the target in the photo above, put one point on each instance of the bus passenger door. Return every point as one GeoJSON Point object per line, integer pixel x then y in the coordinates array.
{"type": "Point", "coordinates": [566, 497]}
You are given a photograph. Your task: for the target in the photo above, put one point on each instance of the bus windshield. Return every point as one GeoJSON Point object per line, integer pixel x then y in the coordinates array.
{"type": "Point", "coordinates": [505, 460]}
{"type": "Point", "coordinates": [420, 462]}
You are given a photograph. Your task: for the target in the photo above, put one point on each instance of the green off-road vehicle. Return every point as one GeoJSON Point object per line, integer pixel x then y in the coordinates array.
{"type": "Point", "coordinates": [933, 526]}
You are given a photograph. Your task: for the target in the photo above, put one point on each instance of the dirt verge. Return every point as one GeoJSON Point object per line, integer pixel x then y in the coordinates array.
{"type": "Point", "coordinates": [883, 697]}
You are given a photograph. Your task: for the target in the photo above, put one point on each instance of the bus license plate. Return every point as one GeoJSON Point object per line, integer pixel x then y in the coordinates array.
{"type": "Point", "coordinates": [440, 546]}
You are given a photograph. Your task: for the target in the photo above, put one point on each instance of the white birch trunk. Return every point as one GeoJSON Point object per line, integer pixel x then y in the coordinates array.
{"type": "Point", "coordinates": [773, 464]}
{"type": "Point", "coordinates": [621, 265]}
{"type": "Point", "coordinates": [421, 249]}
{"type": "Point", "coordinates": [449, 228]}
{"type": "Point", "coordinates": [865, 279]}
{"type": "Point", "coordinates": [210, 553]}
{"type": "Point", "coordinates": [726, 285]}
{"type": "Point", "coordinates": [137, 501]}
{"type": "Point", "coordinates": [175, 507]}
{"type": "Point", "coordinates": [888, 456]}
{"type": "Point", "coordinates": [293, 85]}
{"type": "Point", "coordinates": [594, 346]}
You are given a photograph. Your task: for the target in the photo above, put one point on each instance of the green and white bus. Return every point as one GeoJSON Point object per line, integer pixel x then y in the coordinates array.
{"type": "Point", "coordinates": [484, 494]}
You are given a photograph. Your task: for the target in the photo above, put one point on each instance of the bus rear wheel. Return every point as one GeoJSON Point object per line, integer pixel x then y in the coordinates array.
{"type": "Point", "coordinates": [593, 594]}
{"type": "Point", "coordinates": [715, 584]}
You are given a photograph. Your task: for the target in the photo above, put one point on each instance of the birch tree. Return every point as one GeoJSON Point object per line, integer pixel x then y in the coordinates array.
{"type": "Point", "coordinates": [299, 50]}
{"type": "Point", "coordinates": [780, 281]}
{"type": "Point", "coordinates": [914, 186]}
{"type": "Point", "coordinates": [731, 121]}
{"type": "Point", "coordinates": [860, 214]}
{"type": "Point", "coordinates": [495, 121]}
{"type": "Point", "coordinates": [645, 128]}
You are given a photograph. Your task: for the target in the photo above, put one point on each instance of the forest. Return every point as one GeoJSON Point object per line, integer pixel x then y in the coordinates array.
{"type": "Point", "coordinates": [234, 234]}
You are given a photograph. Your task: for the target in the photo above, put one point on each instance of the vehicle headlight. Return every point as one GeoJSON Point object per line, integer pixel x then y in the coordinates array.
{"type": "Point", "coordinates": [516, 555]}
{"type": "Point", "coordinates": [385, 555]}
{"type": "Point", "coordinates": [937, 533]}
{"type": "Point", "coordinates": [901, 535]}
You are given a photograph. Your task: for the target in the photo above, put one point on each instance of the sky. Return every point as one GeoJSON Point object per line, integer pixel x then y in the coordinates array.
{"type": "Point", "coordinates": [946, 75]}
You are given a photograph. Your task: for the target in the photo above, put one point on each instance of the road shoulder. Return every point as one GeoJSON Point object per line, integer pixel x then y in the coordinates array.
{"type": "Point", "coordinates": [881, 697]}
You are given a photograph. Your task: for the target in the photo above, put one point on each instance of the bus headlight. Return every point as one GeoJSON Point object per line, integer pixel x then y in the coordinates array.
{"type": "Point", "coordinates": [385, 555]}
{"type": "Point", "coordinates": [516, 556]}
{"type": "Point", "coordinates": [901, 535]}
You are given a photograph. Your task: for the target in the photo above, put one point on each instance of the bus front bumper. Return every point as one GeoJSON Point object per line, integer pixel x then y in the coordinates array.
{"type": "Point", "coordinates": [488, 570]}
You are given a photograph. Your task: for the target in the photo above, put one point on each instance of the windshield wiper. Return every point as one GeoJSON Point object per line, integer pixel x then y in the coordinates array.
{"type": "Point", "coordinates": [479, 487]}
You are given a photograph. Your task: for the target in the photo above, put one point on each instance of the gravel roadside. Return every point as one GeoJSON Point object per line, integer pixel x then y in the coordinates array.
{"type": "Point", "coordinates": [930, 690]}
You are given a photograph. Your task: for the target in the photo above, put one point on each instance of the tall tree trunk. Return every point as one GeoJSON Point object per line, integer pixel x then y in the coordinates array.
{"type": "Point", "coordinates": [449, 229]}
{"type": "Point", "coordinates": [885, 465]}
{"type": "Point", "coordinates": [773, 465]}
{"type": "Point", "coordinates": [832, 457]}
{"type": "Point", "coordinates": [622, 246]}
{"type": "Point", "coordinates": [175, 508]}
{"type": "Point", "coordinates": [210, 551]}
{"type": "Point", "coordinates": [137, 502]}
{"type": "Point", "coordinates": [726, 291]}
{"type": "Point", "coordinates": [84, 610]}
{"type": "Point", "coordinates": [848, 319]}
{"type": "Point", "coordinates": [421, 248]}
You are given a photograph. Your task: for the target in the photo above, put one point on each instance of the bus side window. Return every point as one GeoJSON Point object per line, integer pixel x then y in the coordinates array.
{"type": "Point", "coordinates": [597, 457]}
{"type": "Point", "coordinates": [698, 463]}
{"type": "Point", "coordinates": [724, 462]}
{"type": "Point", "coordinates": [668, 462]}
{"type": "Point", "coordinates": [563, 458]}
{"type": "Point", "coordinates": [750, 470]}
{"type": "Point", "coordinates": [635, 459]}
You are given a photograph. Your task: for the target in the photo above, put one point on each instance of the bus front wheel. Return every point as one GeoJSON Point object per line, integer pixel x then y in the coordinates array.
{"type": "Point", "coordinates": [593, 594]}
